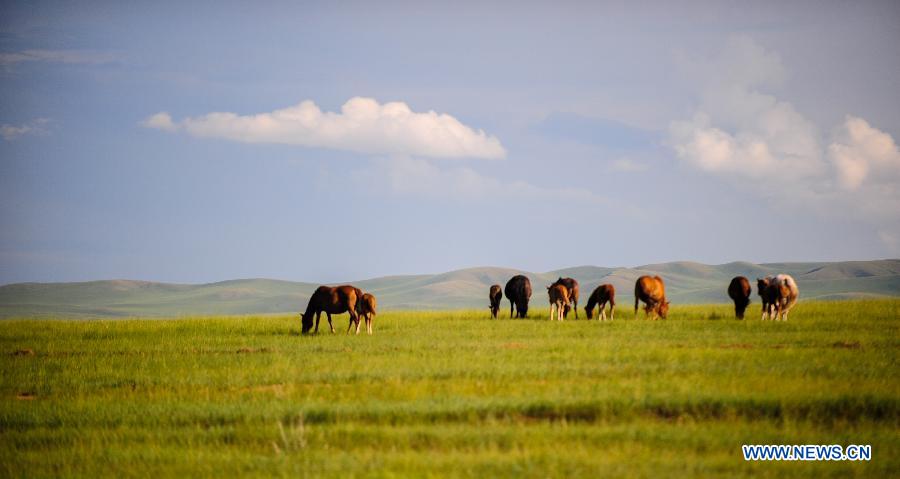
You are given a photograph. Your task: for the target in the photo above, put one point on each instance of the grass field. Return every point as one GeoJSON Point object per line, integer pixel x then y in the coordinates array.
{"type": "Point", "coordinates": [451, 394]}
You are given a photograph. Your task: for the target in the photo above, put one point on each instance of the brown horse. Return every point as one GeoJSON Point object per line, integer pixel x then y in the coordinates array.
{"type": "Point", "coordinates": [365, 308]}
{"type": "Point", "coordinates": [559, 297]}
{"type": "Point", "coordinates": [337, 300]}
{"type": "Point", "coordinates": [739, 291]}
{"type": "Point", "coordinates": [652, 291]}
{"type": "Point", "coordinates": [572, 285]}
{"type": "Point", "coordinates": [601, 295]}
{"type": "Point", "coordinates": [495, 295]}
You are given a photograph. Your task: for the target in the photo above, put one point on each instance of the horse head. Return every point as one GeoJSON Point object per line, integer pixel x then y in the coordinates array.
{"type": "Point", "coordinates": [664, 309]}
{"type": "Point", "coordinates": [306, 320]}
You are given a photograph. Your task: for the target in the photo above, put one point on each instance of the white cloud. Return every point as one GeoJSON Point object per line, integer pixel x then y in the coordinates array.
{"type": "Point", "coordinates": [739, 130]}
{"type": "Point", "coordinates": [744, 134]}
{"type": "Point", "coordinates": [860, 152]}
{"type": "Point", "coordinates": [11, 132]}
{"type": "Point", "coordinates": [57, 56]}
{"type": "Point", "coordinates": [363, 125]}
{"type": "Point", "coordinates": [160, 121]}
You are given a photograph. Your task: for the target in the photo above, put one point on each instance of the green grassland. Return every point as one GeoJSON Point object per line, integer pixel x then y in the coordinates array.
{"type": "Point", "coordinates": [451, 394]}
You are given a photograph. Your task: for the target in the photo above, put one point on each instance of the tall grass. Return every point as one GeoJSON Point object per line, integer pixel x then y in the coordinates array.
{"type": "Point", "coordinates": [450, 393]}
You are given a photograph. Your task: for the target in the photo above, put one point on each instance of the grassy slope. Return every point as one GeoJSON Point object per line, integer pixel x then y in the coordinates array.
{"type": "Point", "coordinates": [686, 283]}
{"type": "Point", "coordinates": [451, 394]}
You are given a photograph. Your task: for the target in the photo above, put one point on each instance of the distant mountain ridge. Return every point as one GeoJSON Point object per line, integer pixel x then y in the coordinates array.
{"type": "Point", "coordinates": [686, 282]}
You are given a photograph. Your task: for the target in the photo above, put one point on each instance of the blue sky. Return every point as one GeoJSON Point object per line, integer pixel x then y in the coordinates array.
{"type": "Point", "coordinates": [203, 141]}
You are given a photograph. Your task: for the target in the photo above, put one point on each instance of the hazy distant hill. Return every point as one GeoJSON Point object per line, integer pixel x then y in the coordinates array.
{"type": "Point", "coordinates": [686, 282]}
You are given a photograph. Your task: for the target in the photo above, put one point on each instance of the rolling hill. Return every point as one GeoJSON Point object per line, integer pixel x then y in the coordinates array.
{"type": "Point", "coordinates": [686, 282]}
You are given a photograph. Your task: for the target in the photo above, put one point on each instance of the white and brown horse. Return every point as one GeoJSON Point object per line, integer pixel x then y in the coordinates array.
{"type": "Point", "coordinates": [779, 295]}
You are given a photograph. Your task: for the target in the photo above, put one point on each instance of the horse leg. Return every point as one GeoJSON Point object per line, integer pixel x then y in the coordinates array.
{"type": "Point", "coordinates": [354, 317]}
{"type": "Point", "coordinates": [787, 308]}
{"type": "Point", "coordinates": [330, 324]}
{"type": "Point", "coordinates": [612, 310]}
{"type": "Point", "coordinates": [350, 323]}
{"type": "Point", "coordinates": [635, 307]}
{"type": "Point", "coordinates": [511, 304]}
{"type": "Point", "coordinates": [357, 318]}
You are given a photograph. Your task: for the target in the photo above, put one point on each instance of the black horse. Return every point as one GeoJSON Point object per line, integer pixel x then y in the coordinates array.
{"type": "Point", "coordinates": [518, 291]}
{"type": "Point", "coordinates": [739, 292]}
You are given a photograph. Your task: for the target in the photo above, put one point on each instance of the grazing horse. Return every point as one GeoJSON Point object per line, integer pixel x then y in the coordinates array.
{"type": "Point", "coordinates": [601, 295]}
{"type": "Point", "coordinates": [559, 297]}
{"type": "Point", "coordinates": [739, 291]}
{"type": "Point", "coordinates": [495, 295]}
{"type": "Point", "coordinates": [518, 291]}
{"type": "Point", "coordinates": [652, 291]}
{"type": "Point", "coordinates": [337, 300]}
{"type": "Point", "coordinates": [365, 308]}
{"type": "Point", "coordinates": [572, 285]}
{"type": "Point", "coordinates": [782, 295]}
{"type": "Point", "coordinates": [762, 288]}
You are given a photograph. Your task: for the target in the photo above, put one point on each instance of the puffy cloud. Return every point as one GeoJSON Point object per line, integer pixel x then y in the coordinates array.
{"type": "Point", "coordinates": [860, 151]}
{"type": "Point", "coordinates": [363, 125]}
{"type": "Point", "coordinates": [741, 131]}
{"type": "Point", "coordinates": [713, 149]}
{"type": "Point", "coordinates": [745, 134]}
{"type": "Point", "coordinates": [11, 132]}
{"type": "Point", "coordinates": [57, 56]}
